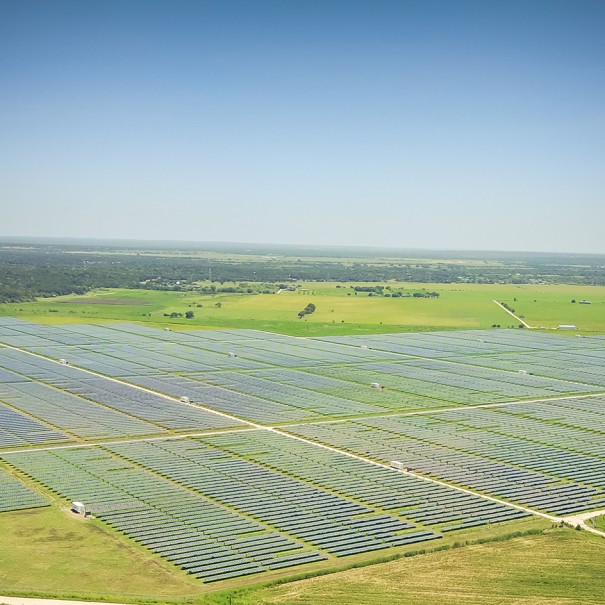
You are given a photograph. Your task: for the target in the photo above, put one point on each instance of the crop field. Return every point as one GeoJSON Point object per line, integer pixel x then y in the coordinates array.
{"type": "Point", "coordinates": [235, 456]}
{"type": "Point", "coordinates": [563, 567]}
{"type": "Point", "coordinates": [341, 310]}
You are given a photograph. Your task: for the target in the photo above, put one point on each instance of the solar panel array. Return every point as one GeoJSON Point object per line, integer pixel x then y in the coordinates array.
{"type": "Point", "coordinates": [413, 498]}
{"type": "Point", "coordinates": [448, 383]}
{"type": "Point", "coordinates": [72, 413]}
{"type": "Point", "coordinates": [93, 407]}
{"type": "Point", "coordinates": [239, 499]}
{"type": "Point", "coordinates": [17, 429]}
{"type": "Point", "coordinates": [548, 455]}
{"type": "Point", "coordinates": [583, 365]}
{"type": "Point", "coordinates": [15, 496]}
{"type": "Point", "coordinates": [237, 373]}
{"type": "Point", "coordinates": [247, 502]}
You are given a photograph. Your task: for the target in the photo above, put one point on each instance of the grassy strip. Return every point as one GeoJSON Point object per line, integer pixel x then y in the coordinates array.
{"type": "Point", "coordinates": [597, 522]}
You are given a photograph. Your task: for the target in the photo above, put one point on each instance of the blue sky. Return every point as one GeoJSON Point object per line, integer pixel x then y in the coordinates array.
{"type": "Point", "coordinates": [421, 124]}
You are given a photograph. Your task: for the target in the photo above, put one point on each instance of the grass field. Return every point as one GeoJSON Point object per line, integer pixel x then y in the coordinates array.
{"type": "Point", "coordinates": [560, 567]}
{"type": "Point", "coordinates": [47, 551]}
{"type": "Point", "coordinates": [339, 310]}
{"type": "Point", "coordinates": [599, 523]}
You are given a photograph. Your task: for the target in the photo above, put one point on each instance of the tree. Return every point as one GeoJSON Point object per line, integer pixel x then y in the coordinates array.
{"type": "Point", "coordinates": [310, 308]}
{"type": "Point", "coordinates": [189, 314]}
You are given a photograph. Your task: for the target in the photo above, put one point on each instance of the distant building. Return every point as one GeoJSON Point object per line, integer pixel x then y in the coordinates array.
{"type": "Point", "coordinates": [567, 327]}
{"type": "Point", "coordinates": [585, 302]}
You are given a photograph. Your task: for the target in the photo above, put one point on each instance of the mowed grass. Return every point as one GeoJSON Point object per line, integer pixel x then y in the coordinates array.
{"type": "Point", "coordinates": [339, 309]}
{"type": "Point", "coordinates": [49, 551]}
{"type": "Point", "coordinates": [560, 567]}
{"type": "Point", "coordinates": [598, 523]}
{"type": "Point", "coordinates": [550, 307]}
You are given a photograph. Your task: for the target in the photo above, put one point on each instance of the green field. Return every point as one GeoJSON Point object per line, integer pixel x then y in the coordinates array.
{"type": "Point", "coordinates": [598, 523]}
{"type": "Point", "coordinates": [50, 551]}
{"type": "Point", "coordinates": [560, 567]}
{"type": "Point", "coordinates": [339, 309]}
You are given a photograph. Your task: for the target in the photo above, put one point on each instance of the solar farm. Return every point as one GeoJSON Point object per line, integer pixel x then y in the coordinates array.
{"type": "Point", "coordinates": [233, 453]}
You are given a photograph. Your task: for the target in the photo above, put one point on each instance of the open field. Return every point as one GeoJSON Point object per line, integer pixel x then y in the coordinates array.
{"type": "Point", "coordinates": [561, 567]}
{"type": "Point", "coordinates": [339, 309]}
{"type": "Point", "coordinates": [599, 523]}
{"type": "Point", "coordinates": [50, 551]}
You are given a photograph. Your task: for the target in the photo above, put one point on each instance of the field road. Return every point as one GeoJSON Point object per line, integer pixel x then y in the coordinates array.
{"type": "Point", "coordinates": [511, 313]}
{"type": "Point", "coordinates": [582, 518]}
{"type": "Point", "coordinates": [29, 601]}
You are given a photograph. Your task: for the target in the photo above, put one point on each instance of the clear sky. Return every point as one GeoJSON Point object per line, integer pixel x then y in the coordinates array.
{"type": "Point", "coordinates": [454, 124]}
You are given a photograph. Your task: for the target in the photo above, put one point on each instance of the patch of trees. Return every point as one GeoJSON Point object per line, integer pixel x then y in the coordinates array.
{"type": "Point", "coordinates": [388, 292]}
{"type": "Point", "coordinates": [507, 307]}
{"type": "Point", "coordinates": [376, 289]}
{"type": "Point", "coordinates": [308, 310]}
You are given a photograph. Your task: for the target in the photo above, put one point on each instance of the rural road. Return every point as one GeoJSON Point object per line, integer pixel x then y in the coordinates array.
{"type": "Point", "coordinates": [511, 313]}
{"type": "Point", "coordinates": [29, 601]}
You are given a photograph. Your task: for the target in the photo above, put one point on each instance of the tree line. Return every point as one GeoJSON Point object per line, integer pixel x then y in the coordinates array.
{"type": "Point", "coordinates": [34, 271]}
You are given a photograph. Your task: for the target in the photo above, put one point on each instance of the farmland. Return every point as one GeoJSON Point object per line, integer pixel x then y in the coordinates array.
{"type": "Point", "coordinates": [233, 456]}
{"type": "Point", "coordinates": [38, 269]}
{"type": "Point", "coordinates": [341, 310]}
